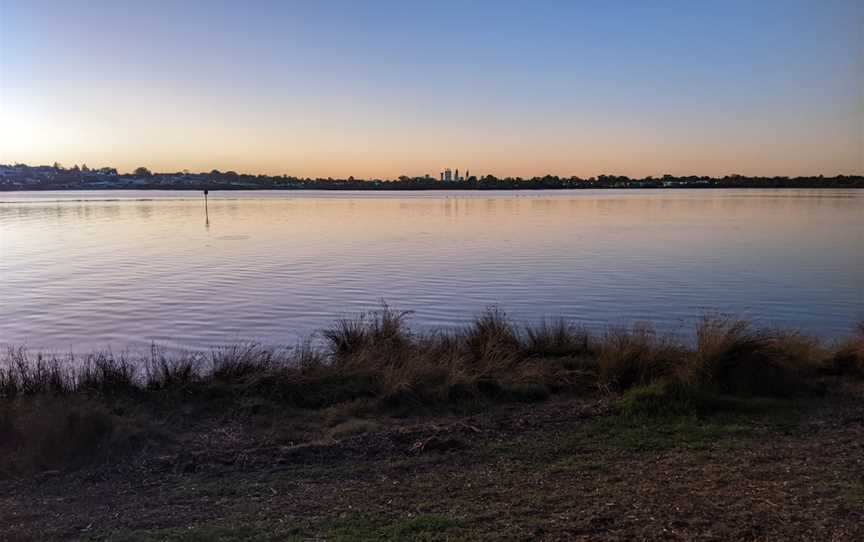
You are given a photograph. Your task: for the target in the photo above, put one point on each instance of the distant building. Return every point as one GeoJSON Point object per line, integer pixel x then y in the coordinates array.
{"type": "Point", "coordinates": [453, 175]}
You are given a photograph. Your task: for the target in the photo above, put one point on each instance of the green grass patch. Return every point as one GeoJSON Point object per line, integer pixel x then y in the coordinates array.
{"type": "Point", "coordinates": [671, 398]}
{"type": "Point", "coordinates": [663, 417]}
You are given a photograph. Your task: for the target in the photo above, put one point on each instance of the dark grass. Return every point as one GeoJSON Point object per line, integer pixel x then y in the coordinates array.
{"type": "Point", "coordinates": [49, 432]}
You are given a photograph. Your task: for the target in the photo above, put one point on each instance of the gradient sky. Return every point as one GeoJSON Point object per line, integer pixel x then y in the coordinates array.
{"type": "Point", "coordinates": [380, 89]}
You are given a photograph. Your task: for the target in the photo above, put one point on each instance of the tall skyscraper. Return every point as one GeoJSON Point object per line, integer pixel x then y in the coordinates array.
{"type": "Point", "coordinates": [457, 174]}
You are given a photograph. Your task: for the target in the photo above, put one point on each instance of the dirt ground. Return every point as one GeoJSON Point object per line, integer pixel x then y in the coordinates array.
{"type": "Point", "coordinates": [563, 469]}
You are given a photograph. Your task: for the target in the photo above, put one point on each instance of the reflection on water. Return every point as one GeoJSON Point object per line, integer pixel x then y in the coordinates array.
{"type": "Point", "coordinates": [83, 270]}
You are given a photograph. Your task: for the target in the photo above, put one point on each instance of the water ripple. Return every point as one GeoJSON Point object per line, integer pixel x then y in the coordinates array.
{"type": "Point", "coordinates": [121, 269]}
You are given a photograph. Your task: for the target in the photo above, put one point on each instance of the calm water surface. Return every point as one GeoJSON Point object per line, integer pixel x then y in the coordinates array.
{"type": "Point", "coordinates": [88, 270]}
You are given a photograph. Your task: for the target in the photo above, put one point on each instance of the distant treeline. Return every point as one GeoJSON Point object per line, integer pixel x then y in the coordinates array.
{"type": "Point", "coordinates": [56, 177]}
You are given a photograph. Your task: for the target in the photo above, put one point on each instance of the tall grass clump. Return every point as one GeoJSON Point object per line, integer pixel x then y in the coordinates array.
{"type": "Point", "coordinates": [163, 371]}
{"type": "Point", "coordinates": [491, 336]}
{"type": "Point", "coordinates": [636, 356]}
{"type": "Point", "coordinates": [105, 374]}
{"type": "Point", "coordinates": [22, 375]}
{"type": "Point", "coordinates": [382, 329]}
{"type": "Point", "coordinates": [237, 361]}
{"type": "Point", "coordinates": [732, 357]}
{"type": "Point", "coordinates": [557, 338]}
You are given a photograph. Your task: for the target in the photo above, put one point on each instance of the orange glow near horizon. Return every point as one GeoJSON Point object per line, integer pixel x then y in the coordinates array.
{"type": "Point", "coordinates": [256, 142]}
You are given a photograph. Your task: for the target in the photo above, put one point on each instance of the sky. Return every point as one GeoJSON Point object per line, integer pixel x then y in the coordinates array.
{"type": "Point", "coordinates": [386, 88]}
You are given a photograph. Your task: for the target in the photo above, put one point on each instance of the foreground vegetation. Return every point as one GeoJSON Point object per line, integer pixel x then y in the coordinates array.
{"type": "Point", "coordinates": [379, 432]}
{"type": "Point", "coordinates": [375, 365]}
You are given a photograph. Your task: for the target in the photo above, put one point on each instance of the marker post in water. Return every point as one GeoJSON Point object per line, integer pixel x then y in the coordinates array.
{"type": "Point", "coordinates": [206, 214]}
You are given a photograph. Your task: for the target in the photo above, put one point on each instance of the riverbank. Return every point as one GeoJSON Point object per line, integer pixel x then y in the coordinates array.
{"type": "Point", "coordinates": [495, 432]}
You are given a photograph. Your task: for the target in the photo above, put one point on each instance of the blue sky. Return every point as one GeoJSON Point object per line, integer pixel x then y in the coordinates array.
{"type": "Point", "coordinates": [386, 88]}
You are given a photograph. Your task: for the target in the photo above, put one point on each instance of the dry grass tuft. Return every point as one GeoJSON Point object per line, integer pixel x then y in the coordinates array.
{"type": "Point", "coordinates": [106, 374]}
{"type": "Point", "coordinates": [21, 375]}
{"type": "Point", "coordinates": [490, 335]}
{"type": "Point", "coordinates": [635, 356]}
{"type": "Point", "coordinates": [556, 339]}
{"type": "Point", "coordinates": [381, 329]}
{"type": "Point", "coordinates": [163, 371]}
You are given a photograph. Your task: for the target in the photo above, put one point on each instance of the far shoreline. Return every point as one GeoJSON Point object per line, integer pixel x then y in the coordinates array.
{"type": "Point", "coordinates": [23, 177]}
{"type": "Point", "coordinates": [858, 185]}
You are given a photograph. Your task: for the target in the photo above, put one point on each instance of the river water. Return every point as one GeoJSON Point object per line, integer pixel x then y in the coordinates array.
{"type": "Point", "coordinates": [123, 269]}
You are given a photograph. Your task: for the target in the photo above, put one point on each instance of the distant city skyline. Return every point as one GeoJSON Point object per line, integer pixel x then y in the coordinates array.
{"type": "Point", "coordinates": [378, 90]}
